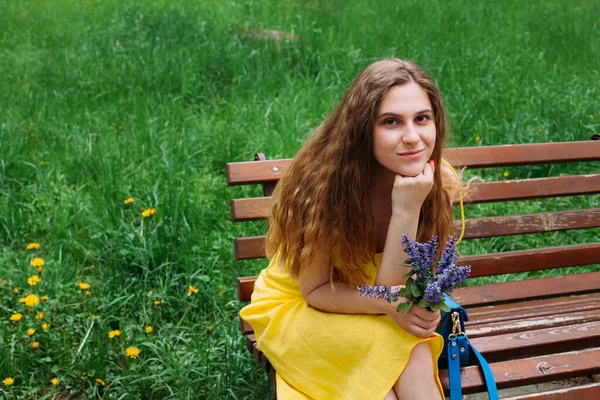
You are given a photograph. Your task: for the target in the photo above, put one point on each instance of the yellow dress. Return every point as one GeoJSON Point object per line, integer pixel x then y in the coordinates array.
{"type": "Point", "coordinates": [319, 355]}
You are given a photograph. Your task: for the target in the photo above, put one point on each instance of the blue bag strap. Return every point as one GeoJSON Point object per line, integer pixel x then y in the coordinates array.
{"type": "Point", "coordinates": [490, 382]}
{"type": "Point", "coordinates": [454, 370]}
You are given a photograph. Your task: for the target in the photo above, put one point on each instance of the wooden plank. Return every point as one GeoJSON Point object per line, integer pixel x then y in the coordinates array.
{"type": "Point", "coordinates": [538, 188]}
{"type": "Point", "coordinates": [524, 325]}
{"type": "Point", "coordinates": [476, 313]}
{"type": "Point", "coordinates": [509, 262]}
{"type": "Point", "coordinates": [527, 289]}
{"type": "Point", "coordinates": [530, 223]}
{"type": "Point", "coordinates": [522, 154]}
{"type": "Point", "coordinates": [245, 287]}
{"type": "Point", "coordinates": [245, 173]}
{"type": "Point", "coordinates": [255, 208]}
{"type": "Point", "coordinates": [247, 248]}
{"type": "Point", "coordinates": [521, 310]}
{"type": "Point", "coordinates": [487, 313]}
{"type": "Point", "coordinates": [531, 370]}
{"type": "Point", "coordinates": [584, 392]}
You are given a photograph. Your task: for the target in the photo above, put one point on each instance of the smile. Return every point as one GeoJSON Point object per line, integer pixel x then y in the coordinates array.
{"type": "Point", "coordinates": [411, 154]}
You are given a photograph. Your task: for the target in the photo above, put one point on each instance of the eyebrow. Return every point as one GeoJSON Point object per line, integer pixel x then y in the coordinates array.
{"type": "Point", "coordinates": [391, 114]}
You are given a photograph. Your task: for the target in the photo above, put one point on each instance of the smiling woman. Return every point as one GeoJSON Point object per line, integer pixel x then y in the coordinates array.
{"type": "Point", "coordinates": [404, 133]}
{"type": "Point", "coordinates": [365, 177]}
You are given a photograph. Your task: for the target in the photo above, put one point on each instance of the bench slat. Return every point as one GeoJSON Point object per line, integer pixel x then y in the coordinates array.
{"type": "Point", "coordinates": [487, 313]}
{"type": "Point", "coordinates": [256, 172]}
{"type": "Point", "coordinates": [524, 189]}
{"type": "Point", "coordinates": [493, 293]}
{"type": "Point", "coordinates": [531, 370]}
{"type": "Point", "coordinates": [252, 247]}
{"type": "Point", "coordinates": [528, 289]}
{"type": "Point", "coordinates": [523, 310]}
{"type": "Point", "coordinates": [255, 208]}
{"type": "Point", "coordinates": [509, 262]}
{"type": "Point", "coordinates": [519, 324]}
{"type": "Point", "coordinates": [585, 392]}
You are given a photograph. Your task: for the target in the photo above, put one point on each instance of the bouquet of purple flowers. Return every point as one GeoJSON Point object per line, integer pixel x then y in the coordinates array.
{"type": "Point", "coordinates": [427, 280]}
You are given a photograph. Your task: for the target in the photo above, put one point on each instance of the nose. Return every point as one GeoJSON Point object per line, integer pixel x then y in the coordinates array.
{"type": "Point", "coordinates": [410, 135]}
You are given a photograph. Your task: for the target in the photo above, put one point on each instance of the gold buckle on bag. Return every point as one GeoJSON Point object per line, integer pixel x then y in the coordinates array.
{"type": "Point", "coordinates": [456, 330]}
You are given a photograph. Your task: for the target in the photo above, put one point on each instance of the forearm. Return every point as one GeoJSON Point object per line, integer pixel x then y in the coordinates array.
{"type": "Point", "coordinates": [392, 267]}
{"type": "Point", "coordinates": [346, 299]}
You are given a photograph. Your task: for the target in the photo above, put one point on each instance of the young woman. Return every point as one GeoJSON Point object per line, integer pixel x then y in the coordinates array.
{"type": "Point", "coordinates": [369, 174]}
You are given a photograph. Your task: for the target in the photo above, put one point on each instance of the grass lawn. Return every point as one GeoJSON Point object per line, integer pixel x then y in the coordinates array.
{"type": "Point", "coordinates": [101, 101]}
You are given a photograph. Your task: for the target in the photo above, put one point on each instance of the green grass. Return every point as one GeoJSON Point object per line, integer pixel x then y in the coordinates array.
{"type": "Point", "coordinates": [150, 99]}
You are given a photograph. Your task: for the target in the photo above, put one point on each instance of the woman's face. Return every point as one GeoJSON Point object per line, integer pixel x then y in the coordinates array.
{"type": "Point", "coordinates": [404, 133]}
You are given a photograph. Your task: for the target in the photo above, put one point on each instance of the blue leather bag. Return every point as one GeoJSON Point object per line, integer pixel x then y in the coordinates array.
{"type": "Point", "coordinates": [458, 351]}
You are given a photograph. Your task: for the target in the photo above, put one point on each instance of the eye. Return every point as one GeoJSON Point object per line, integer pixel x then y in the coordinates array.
{"type": "Point", "coordinates": [423, 118]}
{"type": "Point", "coordinates": [389, 121]}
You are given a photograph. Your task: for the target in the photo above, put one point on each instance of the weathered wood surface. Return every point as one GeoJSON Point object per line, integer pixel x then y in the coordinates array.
{"type": "Point", "coordinates": [530, 341]}
{"type": "Point", "coordinates": [256, 172]}
{"type": "Point", "coordinates": [254, 247]}
{"type": "Point", "coordinates": [584, 392]}
{"type": "Point", "coordinates": [531, 370]}
{"type": "Point", "coordinates": [255, 208]}
{"type": "Point", "coordinates": [528, 289]}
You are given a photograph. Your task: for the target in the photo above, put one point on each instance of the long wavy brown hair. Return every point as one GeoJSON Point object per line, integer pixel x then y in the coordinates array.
{"type": "Point", "coordinates": [322, 206]}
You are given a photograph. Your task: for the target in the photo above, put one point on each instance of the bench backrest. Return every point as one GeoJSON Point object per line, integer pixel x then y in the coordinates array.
{"type": "Point", "coordinates": [267, 173]}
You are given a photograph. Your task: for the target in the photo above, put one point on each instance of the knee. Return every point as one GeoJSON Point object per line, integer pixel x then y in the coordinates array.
{"type": "Point", "coordinates": [420, 360]}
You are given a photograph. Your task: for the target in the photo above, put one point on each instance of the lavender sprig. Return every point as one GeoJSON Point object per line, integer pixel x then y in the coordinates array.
{"type": "Point", "coordinates": [424, 287]}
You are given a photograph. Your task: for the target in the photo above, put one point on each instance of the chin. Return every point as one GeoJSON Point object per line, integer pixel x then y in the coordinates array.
{"type": "Point", "coordinates": [410, 171]}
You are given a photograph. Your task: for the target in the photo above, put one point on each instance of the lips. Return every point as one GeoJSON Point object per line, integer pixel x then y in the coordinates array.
{"type": "Point", "coordinates": [411, 153]}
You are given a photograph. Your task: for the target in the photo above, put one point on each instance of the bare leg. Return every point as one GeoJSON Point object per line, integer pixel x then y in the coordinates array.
{"type": "Point", "coordinates": [417, 380]}
{"type": "Point", "coordinates": [391, 395]}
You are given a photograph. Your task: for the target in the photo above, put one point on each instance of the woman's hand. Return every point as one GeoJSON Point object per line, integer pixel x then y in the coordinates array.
{"type": "Point", "coordinates": [409, 192]}
{"type": "Point", "coordinates": [416, 321]}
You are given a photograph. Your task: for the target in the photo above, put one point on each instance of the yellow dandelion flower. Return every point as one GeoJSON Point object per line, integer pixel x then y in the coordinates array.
{"type": "Point", "coordinates": [33, 280]}
{"type": "Point", "coordinates": [30, 331]}
{"type": "Point", "coordinates": [113, 334]}
{"type": "Point", "coordinates": [148, 212]}
{"type": "Point", "coordinates": [192, 290]}
{"type": "Point", "coordinates": [505, 174]}
{"type": "Point", "coordinates": [132, 352]}
{"type": "Point", "coordinates": [83, 285]}
{"type": "Point", "coordinates": [55, 381]}
{"type": "Point", "coordinates": [477, 138]}
{"type": "Point", "coordinates": [539, 130]}
{"type": "Point", "coordinates": [88, 293]}
{"type": "Point", "coordinates": [129, 200]}
{"type": "Point", "coordinates": [39, 270]}
{"type": "Point", "coordinates": [149, 329]}
{"type": "Point", "coordinates": [8, 381]}
{"type": "Point", "coordinates": [92, 267]}
{"type": "Point", "coordinates": [42, 163]}
{"type": "Point", "coordinates": [30, 301]}
{"type": "Point", "coordinates": [100, 381]}
{"type": "Point", "coordinates": [37, 262]}
{"type": "Point", "coordinates": [45, 298]}
{"type": "Point", "coordinates": [35, 345]}
{"type": "Point", "coordinates": [39, 315]}
{"type": "Point", "coordinates": [45, 326]}
{"type": "Point", "coordinates": [84, 373]}
{"type": "Point", "coordinates": [16, 317]}
{"type": "Point", "coordinates": [157, 302]}
{"type": "Point", "coordinates": [16, 291]}
{"type": "Point", "coordinates": [591, 116]}
{"type": "Point", "coordinates": [33, 246]}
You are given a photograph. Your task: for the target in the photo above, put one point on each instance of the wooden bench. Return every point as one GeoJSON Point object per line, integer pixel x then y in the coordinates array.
{"type": "Point", "coordinates": [530, 330]}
